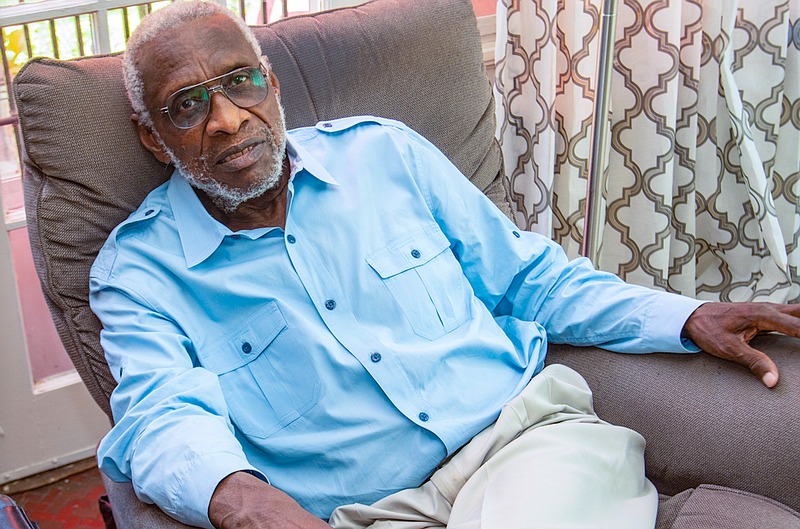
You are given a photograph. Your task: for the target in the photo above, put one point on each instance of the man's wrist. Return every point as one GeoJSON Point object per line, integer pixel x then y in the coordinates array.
{"type": "Point", "coordinates": [228, 498]}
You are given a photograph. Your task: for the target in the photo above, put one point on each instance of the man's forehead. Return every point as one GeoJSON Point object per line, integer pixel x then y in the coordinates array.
{"type": "Point", "coordinates": [193, 51]}
{"type": "Point", "coordinates": [198, 37]}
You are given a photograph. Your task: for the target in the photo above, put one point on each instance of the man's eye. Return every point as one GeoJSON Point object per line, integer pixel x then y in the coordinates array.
{"type": "Point", "coordinates": [187, 104]}
{"type": "Point", "coordinates": [239, 78]}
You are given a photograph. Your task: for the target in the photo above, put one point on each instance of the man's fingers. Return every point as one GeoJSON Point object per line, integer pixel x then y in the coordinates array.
{"type": "Point", "coordinates": [725, 330]}
{"type": "Point", "coordinates": [793, 309]}
{"type": "Point", "coordinates": [738, 350]}
{"type": "Point", "coordinates": [786, 320]}
{"type": "Point", "coordinates": [770, 379]}
{"type": "Point", "coordinates": [759, 363]}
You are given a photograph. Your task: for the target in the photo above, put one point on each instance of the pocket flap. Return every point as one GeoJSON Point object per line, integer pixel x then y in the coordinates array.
{"type": "Point", "coordinates": [245, 343]}
{"type": "Point", "coordinates": [408, 251]}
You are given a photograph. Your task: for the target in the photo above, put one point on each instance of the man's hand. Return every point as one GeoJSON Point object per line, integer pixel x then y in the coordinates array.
{"type": "Point", "coordinates": [242, 501]}
{"type": "Point", "coordinates": [725, 330]}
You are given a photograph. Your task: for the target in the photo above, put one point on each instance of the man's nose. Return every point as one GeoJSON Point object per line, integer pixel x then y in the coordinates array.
{"type": "Point", "coordinates": [223, 115]}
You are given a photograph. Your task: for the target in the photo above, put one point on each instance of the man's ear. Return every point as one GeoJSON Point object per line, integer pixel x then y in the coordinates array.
{"type": "Point", "coordinates": [276, 85]}
{"type": "Point", "coordinates": [150, 141]}
{"type": "Point", "coordinates": [272, 78]}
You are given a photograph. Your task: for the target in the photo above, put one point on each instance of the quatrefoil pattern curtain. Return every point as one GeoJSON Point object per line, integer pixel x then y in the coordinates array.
{"type": "Point", "coordinates": [701, 193]}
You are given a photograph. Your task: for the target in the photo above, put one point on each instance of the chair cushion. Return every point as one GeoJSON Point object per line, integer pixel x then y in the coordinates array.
{"type": "Point", "coordinates": [705, 420]}
{"type": "Point", "coordinates": [714, 507]}
{"type": "Point", "coordinates": [418, 62]}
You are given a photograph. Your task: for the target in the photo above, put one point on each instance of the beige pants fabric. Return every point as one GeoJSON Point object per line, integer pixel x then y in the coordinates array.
{"type": "Point", "coordinates": [548, 461]}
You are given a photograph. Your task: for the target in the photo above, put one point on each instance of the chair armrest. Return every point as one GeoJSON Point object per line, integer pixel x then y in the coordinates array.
{"type": "Point", "coordinates": [706, 420]}
{"type": "Point", "coordinates": [132, 513]}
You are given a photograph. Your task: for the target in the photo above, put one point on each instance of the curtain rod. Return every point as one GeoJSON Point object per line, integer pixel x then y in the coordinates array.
{"type": "Point", "coordinates": [592, 229]}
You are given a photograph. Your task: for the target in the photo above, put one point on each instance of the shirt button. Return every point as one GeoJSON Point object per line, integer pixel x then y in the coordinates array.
{"type": "Point", "coordinates": [375, 357]}
{"type": "Point", "coordinates": [291, 239]}
{"type": "Point", "coordinates": [327, 125]}
{"type": "Point", "coordinates": [247, 348]}
{"type": "Point", "coordinates": [415, 254]}
{"type": "Point", "coordinates": [516, 234]}
{"type": "Point", "coordinates": [149, 212]}
{"type": "Point", "coordinates": [423, 417]}
{"type": "Point", "coordinates": [330, 304]}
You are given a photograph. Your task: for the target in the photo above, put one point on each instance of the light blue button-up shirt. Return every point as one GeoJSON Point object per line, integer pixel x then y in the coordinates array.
{"type": "Point", "coordinates": [343, 357]}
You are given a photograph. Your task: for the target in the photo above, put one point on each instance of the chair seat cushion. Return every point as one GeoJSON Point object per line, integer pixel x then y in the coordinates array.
{"type": "Point", "coordinates": [712, 506]}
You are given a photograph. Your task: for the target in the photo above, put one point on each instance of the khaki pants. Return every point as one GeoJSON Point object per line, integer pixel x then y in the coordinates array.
{"type": "Point", "coordinates": [547, 461]}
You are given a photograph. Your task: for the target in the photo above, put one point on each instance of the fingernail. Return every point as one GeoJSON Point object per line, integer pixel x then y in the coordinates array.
{"type": "Point", "coordinates": [769, 379]}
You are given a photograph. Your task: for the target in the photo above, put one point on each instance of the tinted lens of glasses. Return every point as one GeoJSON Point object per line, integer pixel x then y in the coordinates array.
{"type": "Point", "coordinates": [245, 87]}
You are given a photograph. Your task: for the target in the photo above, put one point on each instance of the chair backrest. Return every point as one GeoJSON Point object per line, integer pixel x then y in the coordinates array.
{"type": "Point", "coordinates": [416, 61]}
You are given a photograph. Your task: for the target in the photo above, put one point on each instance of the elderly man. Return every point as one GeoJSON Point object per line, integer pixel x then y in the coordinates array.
{"type": "Point", "coordinates": [332, 323]}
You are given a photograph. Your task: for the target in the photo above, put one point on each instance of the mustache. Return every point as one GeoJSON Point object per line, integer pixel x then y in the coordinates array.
{"type": "Point", "coordinates": [253, 137]}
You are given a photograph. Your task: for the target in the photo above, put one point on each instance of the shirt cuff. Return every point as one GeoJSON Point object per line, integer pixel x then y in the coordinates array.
{"type": "Point", "coordinates": [201, 480]}
{"type": "Point", "coordinates": [666, 320]}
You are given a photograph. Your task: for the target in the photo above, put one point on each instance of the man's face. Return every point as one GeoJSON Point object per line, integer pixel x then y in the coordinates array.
{"type": "Point", "coordinates": [235, 153]}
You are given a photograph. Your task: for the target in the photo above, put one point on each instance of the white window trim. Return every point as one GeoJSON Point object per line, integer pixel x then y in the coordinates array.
{"type": "Point", "coordinates": [320, 5]}
{"type": "Point", "coordinates": [487, 25]}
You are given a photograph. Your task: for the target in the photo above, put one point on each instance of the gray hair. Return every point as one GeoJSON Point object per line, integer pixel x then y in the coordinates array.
{"type": "Point", "coordinates": [170, 16]}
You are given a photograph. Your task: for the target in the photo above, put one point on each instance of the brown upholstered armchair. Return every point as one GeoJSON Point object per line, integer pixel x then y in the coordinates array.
{"type": "Point", "coordinates": [706, 421]}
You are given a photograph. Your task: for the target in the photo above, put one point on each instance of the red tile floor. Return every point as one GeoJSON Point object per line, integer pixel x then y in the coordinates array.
{"type": "Point", "coordinates": [71, 503]}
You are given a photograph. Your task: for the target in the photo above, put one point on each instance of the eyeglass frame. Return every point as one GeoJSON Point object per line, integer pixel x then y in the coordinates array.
{"type": "Point", "coordinates": [263, 65]}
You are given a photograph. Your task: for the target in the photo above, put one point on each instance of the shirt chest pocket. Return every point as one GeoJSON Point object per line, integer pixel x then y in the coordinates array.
{"type": "Point", "coordinates": [426, 280]}
{"type": "Point", "coordinates": [266, 376]}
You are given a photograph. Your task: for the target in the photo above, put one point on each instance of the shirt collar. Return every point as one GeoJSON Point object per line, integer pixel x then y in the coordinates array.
{"type": "Point", "coordinates": [305, 160]}
{"type": "Point", "coordinates": [200, 233]}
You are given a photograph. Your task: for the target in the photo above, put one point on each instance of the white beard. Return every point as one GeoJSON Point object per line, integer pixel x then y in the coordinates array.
{"type": "Point", "coordinates": [223, 196]}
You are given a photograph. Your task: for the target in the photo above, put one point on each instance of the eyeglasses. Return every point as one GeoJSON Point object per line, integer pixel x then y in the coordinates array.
{"type": "Point", "coordinates": [244, 87]}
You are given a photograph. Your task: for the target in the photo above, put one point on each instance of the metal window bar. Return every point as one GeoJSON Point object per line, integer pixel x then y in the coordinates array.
{"type": "Point", "coordinates": [27, 33]}
{"type": "Point", "coordinates": [7, 72]}
{"type": "Point", "coordinates": [79, 34]}
{"type": "Point", "coordinates": [53, 38]}
{"type": "Point", "coordinates": [126, 25]}
{"type": "Point", "coordinates": [264, 18]}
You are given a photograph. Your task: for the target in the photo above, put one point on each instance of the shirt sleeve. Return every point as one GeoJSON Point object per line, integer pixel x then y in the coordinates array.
{"type": "Point", "coordinates": [524, 275]}
{"type": "Point", "coordinates": [172, 437]}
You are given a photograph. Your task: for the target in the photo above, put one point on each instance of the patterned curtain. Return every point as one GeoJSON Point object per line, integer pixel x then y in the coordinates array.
{"type": "Point", "coordinates": [701, 193]}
